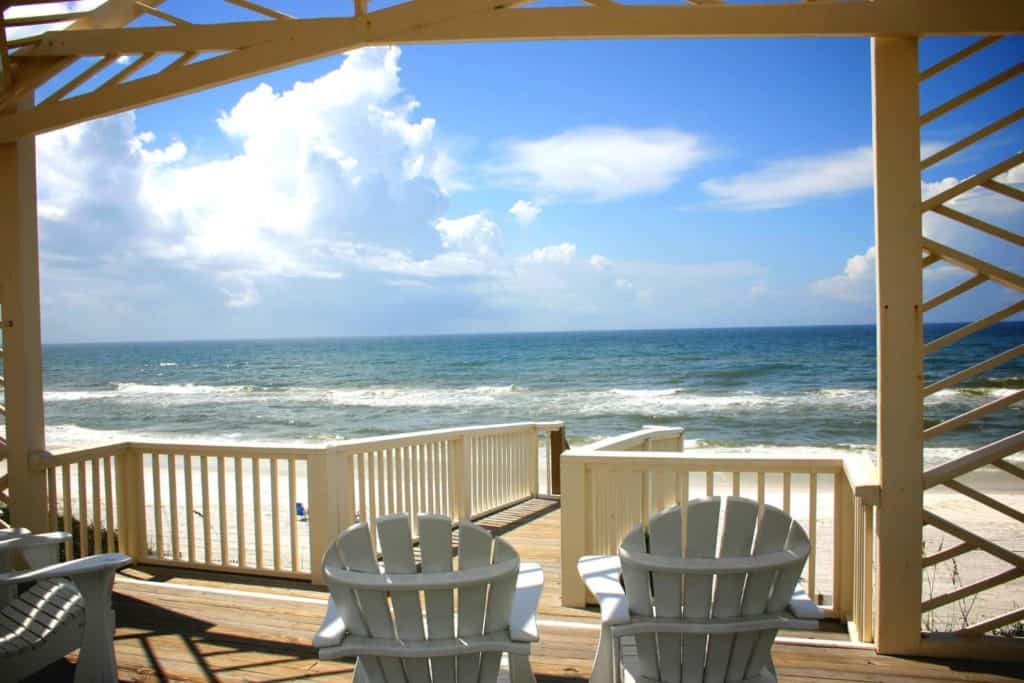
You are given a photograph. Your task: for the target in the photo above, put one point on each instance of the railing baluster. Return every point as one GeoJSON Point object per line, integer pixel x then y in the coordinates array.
{"type": "Point", "coordinates": [97, 521]}
{"type": "Point", "coordinates": [373, 487]}
{"type": "Point", "coordinates": [66, 508]}
{"type": "Point", "coordinates": [709, 483]}
{"type": "Point", "coordinates": [222, 510]}
{"type": "Point", "coordinates": [172, 484]}
{"type": "Point", "coordinates": [786, 488]}
{"type": "Point", "coordinates": [275, 512]}
{"type": "Point", "coordinates": [257, 509]}
{"type": "Point", "coordinates": [190, 531]}
{"type": "Point", "coordinates": [812, 532]}
{"type": "Point", "coordinates": [291, 514]}
{"type": "Point", "coordinates": [760, 488]}
{"type": "Point", "coordinates": [240, 511]}
{"type": "Point", "coordinates": [735, 483]}
{"type": "Point", "coordinates": [204, 490]}
{"type": "Point", "coordinates": [113, 538]}
{"type": "Point", "coordinates": [51, 488]}
{"type": "Point", "coordinates": [158, 514]}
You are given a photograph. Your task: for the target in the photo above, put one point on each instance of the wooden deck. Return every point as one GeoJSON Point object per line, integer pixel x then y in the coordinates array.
{"type": "Point", "coordinates": [202, 627]}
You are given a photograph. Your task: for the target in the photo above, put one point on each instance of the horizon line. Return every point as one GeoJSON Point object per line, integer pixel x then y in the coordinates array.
{"type": "Point", "coordinates": [428, 335]}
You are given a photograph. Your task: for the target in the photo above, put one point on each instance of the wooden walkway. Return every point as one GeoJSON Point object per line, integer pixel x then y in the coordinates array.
{"type": "Point", "coordinates": [201, 627]}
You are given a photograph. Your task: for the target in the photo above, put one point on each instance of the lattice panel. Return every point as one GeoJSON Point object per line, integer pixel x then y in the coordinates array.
{"type": "Point", "coordinates": [967, 562]}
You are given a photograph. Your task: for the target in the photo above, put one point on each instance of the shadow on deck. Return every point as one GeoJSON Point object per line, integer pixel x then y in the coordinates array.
{"type": "Point", "coordinates": [178, 625]}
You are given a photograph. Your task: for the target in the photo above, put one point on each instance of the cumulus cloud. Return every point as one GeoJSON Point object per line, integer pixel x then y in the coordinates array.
{"type": "Point", "coordinates": [474, 233]}
{"type": "Point", "coordinates": [856, 283]}
{"type": "Point", "coordinates": [600, 163]}
{"type": "Point", "coordinates": [326, 172]}
{"type": "Point", "coordinates": [524, 211]}
{"type": "Point", "coordinates": [555, 253]}
{"type": "Point", "coordinates": [599, 261]}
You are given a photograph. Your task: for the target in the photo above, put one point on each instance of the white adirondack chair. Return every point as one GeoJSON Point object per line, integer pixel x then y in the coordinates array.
{"type": "Point", "coordinates": [709, 614]}
{"type": "Point", "coordinates": [66, 606]}
{"type": "Point", "coordinates": [497, 601]}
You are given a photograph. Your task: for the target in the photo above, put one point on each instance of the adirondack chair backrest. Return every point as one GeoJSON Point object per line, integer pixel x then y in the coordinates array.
{"type": "Point", "coordinates": [485, 582]}
{"type": "Point", "coordinates": [709, 582]}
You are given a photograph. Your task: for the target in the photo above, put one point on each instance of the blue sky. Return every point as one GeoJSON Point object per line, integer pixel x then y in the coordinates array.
{"type": "Point", "coordinates": [654, 184]}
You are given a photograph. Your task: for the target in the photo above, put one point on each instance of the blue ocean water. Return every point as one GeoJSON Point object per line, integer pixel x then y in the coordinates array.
{"type": "Point", "coordinates": [757, 388]}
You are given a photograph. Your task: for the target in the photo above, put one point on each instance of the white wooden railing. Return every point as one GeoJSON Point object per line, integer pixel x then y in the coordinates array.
{"type": "Point", "coordinates": [233, 508]}
{"type": "Point", "coordinates": [610, 487]}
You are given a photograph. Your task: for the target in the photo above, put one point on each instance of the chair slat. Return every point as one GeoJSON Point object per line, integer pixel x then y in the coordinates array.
{"type": "Point", "coordinates": [737, 537]}
{"type": "Point", "coordinates": [396, 546]}
{"type": "Point", "coordinates": [666, 538]}
{"type": "Point", "coordinates": [499, 605]}
{"type": "Point", "coordinates": [771, 537]}
{"type": "Point", "coordinates": [638, 592]}
{"type": "Point", "coordinates": [701, 541]}
{"type": "Point", "coordinates": [358, 554]}
{"type": "Point", "coordinates": [436, 551]}
{"type": "Point", "coordinates": [474, 551]}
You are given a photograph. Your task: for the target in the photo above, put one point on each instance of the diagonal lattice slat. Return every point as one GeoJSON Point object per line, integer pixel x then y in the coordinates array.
{"type": "Point", "coordinates": [964, 555]}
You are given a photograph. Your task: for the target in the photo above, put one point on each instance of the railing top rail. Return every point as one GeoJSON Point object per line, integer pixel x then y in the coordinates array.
{"type": "Point", "coordinates": [632, 438]}
{"type": "Point", "coordinates": [222, 449]}
{"type": "Point", "coordinates": [436, 435]}
{"type": "Point", "coordinates": [716, 463]}
{"type": "Point", "coordinates": [45, 459]}
{"type": "Point", "coordinates": [863, 477]}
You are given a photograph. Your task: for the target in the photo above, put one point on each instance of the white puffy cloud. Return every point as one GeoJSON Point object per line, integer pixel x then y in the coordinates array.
{"type": "Point", "coordinates": [331, 175]}
{"type": "Point", "coordinates": [555, 253]}
{"type": "Point", "coordinates": [473, 233]}
{"type": "Point", "coordinates": [600, 163]}
{"type": "Point", "coordinates": [525, 212]}
{"type": "Point", "coordinates": [599, 261]}
{"type": "Point", "coordinates": [856, 284]}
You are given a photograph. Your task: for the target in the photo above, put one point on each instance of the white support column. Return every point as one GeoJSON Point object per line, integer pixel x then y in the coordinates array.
{"type": "Point", "coordinates": [19, 281]}
{"type": "Point", "coordinates": [900, 346]}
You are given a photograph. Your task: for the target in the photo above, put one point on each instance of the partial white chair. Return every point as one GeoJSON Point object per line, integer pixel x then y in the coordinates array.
{"type": "Point", "coordinates": [708, 614]}
{"type": "Point", "coordinates": [497, 599]}
{"type": "Point", "coordinates": [66, 606]}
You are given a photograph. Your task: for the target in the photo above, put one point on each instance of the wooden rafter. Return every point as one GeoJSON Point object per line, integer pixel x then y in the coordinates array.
{"type": "Point", "coordinates": [259, 46]}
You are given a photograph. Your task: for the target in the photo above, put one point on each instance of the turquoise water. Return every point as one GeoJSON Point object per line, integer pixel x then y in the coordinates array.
{"type": "Point", "coordinates": [751, 389]}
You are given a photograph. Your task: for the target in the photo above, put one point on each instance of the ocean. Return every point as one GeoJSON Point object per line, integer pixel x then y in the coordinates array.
{"type": "Point", "coordinates": [753, 390]}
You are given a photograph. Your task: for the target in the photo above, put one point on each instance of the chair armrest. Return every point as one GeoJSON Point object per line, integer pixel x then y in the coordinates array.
{"type": "Point", "coordinates": [601, 574]}
{"type": "Point", "coordinates": [332, 629]}
{"type": "Point", "coordinates": [803, 607]}
{"type": "Point", "coordinates": [522, 619]}
{"type": "Point", "coordinates": [108, 562]}
{"type": "Point", "coordinates": [22, 539]}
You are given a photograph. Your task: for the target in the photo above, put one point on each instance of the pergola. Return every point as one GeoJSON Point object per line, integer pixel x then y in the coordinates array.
{"type": "Point", "coordinates": [129, 53]}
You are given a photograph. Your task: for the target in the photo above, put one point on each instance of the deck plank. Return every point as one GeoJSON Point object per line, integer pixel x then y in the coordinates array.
{"type": "Point", "coordinates": [176, 625]}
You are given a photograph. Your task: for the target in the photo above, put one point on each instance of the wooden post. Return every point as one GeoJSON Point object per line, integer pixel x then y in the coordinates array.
{"type": "Point", "coordinates": [325, 480]}
{"type": "Point", "coordinates": [131, 502]}
{"type": "Point", "coordinates": [460, 495]}
{"type": "Point", "coordinates": [558, 445]}
{"type": "Point", "coordinates": [574, 533]}
{"type": "Point", "coordinates": [900, 349]}
{"type": "Point", "coordinates": [19, 292]}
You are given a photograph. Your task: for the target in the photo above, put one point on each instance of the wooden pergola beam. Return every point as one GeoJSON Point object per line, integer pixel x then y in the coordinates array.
{"type": "Point", "coordinates": [261, 46]}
